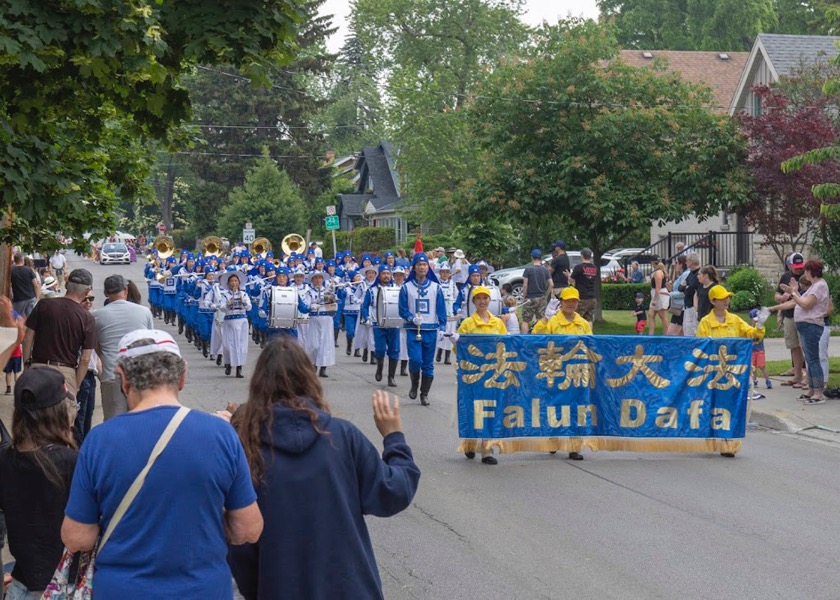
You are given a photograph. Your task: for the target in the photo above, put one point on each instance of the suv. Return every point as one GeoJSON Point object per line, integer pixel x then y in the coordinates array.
{"type": "Point", "coordinates": [114, 253]}
{"type": "Point", "coordinates": [609, 268]}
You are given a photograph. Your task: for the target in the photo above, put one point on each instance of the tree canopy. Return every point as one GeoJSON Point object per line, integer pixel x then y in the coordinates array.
{"type": "Point", "coordinates": [84, 85]}
{"type": "Point", "coordinates": [571, 136]}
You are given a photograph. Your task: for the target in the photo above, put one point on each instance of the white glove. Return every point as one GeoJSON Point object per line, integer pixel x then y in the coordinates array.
{"type": "Point", "coordinates": [262, 314]}
{"type": "Point", "coordinates": [417, 320]}
{"type": "Point", "coordinates": [552, 308]}
{"type": "Point", "coordinates": [763, 315]}
{"type": "Point", "coordinates": [369, 322]}
{"type": "Point", "coordinates": [314, 307]}
{"type": "Point", "coordinates": [455, 337]}
{"type": "Point", "coordinates": [441, 336]}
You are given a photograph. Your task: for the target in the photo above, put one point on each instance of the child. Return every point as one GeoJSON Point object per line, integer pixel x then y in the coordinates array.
{"type": "Point", "coordinates": [13, 366]}
{"type": "Point", "coordinates": [758, 357]}
{"type": "Point", "coordinates": [507, 290]}
{"type": "Point", "coordinates": [640, 312]}
{"type": "Point", "coordinates": [511, 319]}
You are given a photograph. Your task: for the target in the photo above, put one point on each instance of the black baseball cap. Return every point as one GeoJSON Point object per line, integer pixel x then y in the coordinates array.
{"type": "Point", "coordinates": [40, 387]}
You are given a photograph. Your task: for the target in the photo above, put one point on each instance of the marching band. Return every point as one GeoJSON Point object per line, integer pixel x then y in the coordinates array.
{"type": "Point", "coordinates": [219, 299]}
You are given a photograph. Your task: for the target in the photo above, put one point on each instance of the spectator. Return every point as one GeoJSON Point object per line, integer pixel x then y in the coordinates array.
{"type": "Point", "coordinates": [118, 318]}
{"type": "Point", "coordinates": [35, 474]}
{"type": "Point", "coordinates": [640, 312]}
{"type": "Point", "coordinates": [812, 307]}
{"type": "Point", "coordinates": [460, 269]}
{"type": "Point", "coordinates": [171, 540]}
{"type": "Point", "coordinates": [559, 268]}
{"type": "Point", "coordinates": [585, 278]}
{"type": "Point", "coordinates": [689, 288]}
{"type": "Point", "coordinates": [796, 266]}
{"type": "Point", "coordinates": [322, 471]}
{"type": "Point", "coordinates": [61, 334]}
{"type": "Point", "coordinates": [58, 264]}
{"type": "Point", "coordinates": [636, 275]}
{"type": "Point", "coordinates": [659, 297]}
{"type": "Point", "coordinates": [401, 260]}
{"type": "Point", "coordinates": [759, 360]}
{"type": "Point", "coordinates": [26, 287]}
{"type": "Point", "coordinates": [536, 280]}
{"type": "Point", "coordinates": [675, 327]}
{"type": "Point", "coordinates": [133, 293]}
{"type": "Point", "coordinates": [706, 278]}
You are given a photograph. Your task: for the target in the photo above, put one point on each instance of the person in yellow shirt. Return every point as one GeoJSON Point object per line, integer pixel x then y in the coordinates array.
{"type": "Point", "coordinates": [482, 321]}
{"type": "Point", "coordinates": [722, 323]}
{"type": "Point", "coordinates": [566, 322]}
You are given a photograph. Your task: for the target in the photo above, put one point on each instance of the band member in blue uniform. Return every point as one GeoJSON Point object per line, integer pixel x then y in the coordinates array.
{"type": "Point", "coordinates": [423, 309]}
{"type": "Point", "coordinates": [235, 305]}
{"type": "Point", "coordinates": [281, 280]}
{"type": "Point", "coordinates": [386, 339]}
{"type": "Point", "coordinates": [352, 305]}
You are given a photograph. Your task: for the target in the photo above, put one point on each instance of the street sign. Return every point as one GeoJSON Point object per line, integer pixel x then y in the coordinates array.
{"type": "Point", "coordinates": [248, 225]}
{"type": "Point", "coordinates": [248, 236]}
{"type": "Point", "coordinates": [331, 210]}
{"type": "Point", "coordinates": [162, 227]}
{"type": "Point", "coordinates": [332, 222]}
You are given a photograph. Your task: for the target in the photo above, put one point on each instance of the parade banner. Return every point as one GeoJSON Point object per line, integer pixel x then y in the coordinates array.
{"type": "Point", "coordinates": [640, 394]}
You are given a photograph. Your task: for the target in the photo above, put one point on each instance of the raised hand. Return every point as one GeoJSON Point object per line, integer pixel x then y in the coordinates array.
{"type": "Point", "coordinates": [387, 419]}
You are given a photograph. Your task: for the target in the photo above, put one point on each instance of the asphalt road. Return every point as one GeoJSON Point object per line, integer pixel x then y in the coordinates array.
{"type": "Point", "coordinates": [617, 525]}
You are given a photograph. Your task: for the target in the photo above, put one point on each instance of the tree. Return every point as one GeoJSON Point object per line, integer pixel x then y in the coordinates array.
{"type": "Point", "coordinates": [572, 136]}
{"type": "Point", "coordinates": [431, 54]}
{"type": "Point", "coordinates": [235, 120]}
{"type": "Point", "coordinates": [268, 199]}
{"type": "Point", "coordinates": [84, 84]}
{"type": "Point", "coordinates": [783, 208]}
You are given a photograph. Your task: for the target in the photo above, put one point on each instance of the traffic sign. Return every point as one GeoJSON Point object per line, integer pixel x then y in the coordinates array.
{"type": "Point", "coordinates": [248, 236]}
{"type": "Point", "coordinates": [162, 227]}
{"type": "Point", "coordinates": [331, 210]}
{"type": "Point", "coordinates": [332, 223]}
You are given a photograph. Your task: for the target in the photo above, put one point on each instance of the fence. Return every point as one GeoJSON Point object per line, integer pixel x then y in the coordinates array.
{"type": "Point", "coordinates": [723, 249]}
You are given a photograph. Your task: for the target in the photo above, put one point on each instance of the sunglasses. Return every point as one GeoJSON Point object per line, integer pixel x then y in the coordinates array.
{"type": "Point", "coordinates": [89, 298]}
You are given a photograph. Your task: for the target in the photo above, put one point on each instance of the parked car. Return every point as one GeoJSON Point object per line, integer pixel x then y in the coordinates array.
{"type": "Point", "coordinates": [625, 256]}
{"type": "Point", "coordinates": [610, 268]}
{"type": "Point", "coordinates": [114, 253]}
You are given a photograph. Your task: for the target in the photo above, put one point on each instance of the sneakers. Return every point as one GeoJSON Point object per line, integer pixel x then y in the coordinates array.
{"type": "Point", "coordinates": [757, 396]}
{"type": "Point", "coordinates": [769, 384]}
{"type": "Point", "coordinates": [8, 390]}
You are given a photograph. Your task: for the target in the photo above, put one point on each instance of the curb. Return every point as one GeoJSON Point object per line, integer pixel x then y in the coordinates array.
{"type": "Point", "coordinates": [779, 420]}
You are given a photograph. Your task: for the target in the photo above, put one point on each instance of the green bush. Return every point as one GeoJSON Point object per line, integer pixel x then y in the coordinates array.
{"type": "Point", "coordinates": [833, 282]}
{"type": "Point", "coordinates": [750, 288]}
{"type": "Point", "coordinates": [622, 296]}
{"type": "Point", "coordinates": [430, 242]}
{"type": "Point", "coordinates": [183, 238]}
{"type": "Point", "coordinates": [363, 239]}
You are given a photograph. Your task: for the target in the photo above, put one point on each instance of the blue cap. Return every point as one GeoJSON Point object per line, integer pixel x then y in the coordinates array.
{"type": "Point", "coordinates": [535, 253]}
{"type": "Point", "coordinates": [473, 269]}
{"type": "Point", "coordinates": [754, 313]}
{"type": "Point", "coordinates": [384, 267]}
{"type": "Point", "coordinates": [560, 244]}
{"type": "Point", "coordinates": [331, 263]}
{"type": "Point", "coordinates": [389, 253]}
{"type": "Point", "coordinates": [419, 257]}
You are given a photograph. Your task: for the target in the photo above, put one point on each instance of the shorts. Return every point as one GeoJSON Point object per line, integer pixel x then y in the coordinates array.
{"type": "Point", "coordinates": [640, 326]}
{"type": "Point", "coordinates": [759, 358]}
{"type": "Point", "coordinates": [586, 309]}
{"type": "Point", "coordinates": [791, 335]}
{"type": "Point", "coordinates": [13, 366]}
{"type": "Point", "coordinates": [662, 303]}
{"type": "Point", "coordinates": [677, 319]}
{"type": "Point", "coordinates": [533, 309]}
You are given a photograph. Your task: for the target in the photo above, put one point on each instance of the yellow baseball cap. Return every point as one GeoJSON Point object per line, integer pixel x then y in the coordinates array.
{"type": "Point", "coordinates": [570, 293]}
{"type": "Point", "coordinates": [479, 290]}
{"type": "Point", "coordinates": [718, 292]}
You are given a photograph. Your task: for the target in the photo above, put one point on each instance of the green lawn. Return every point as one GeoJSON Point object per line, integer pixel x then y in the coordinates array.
{"type": "Point", "coordinates": [777, 367]}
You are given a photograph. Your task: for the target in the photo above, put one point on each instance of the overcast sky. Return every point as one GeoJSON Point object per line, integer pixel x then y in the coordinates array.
{"type": "Point", "coordinates": [536, 11]}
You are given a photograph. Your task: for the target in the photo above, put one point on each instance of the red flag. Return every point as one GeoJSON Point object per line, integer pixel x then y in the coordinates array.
{"type": "Point", "coordinates": [418, 245]}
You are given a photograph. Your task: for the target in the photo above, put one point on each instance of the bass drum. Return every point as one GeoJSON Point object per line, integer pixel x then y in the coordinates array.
{"type": "Point", "coordinates": [284, 308]}
{"type": "Point", "coordinates": [388, 308]}
{"type": "Point", "coordinates": [495, 306]}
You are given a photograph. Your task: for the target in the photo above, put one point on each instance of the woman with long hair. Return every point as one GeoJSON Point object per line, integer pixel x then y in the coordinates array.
{"type": "Point", "coordinates": [681, 272]}
{"type": "Point", "coordinates": [659, 297]}
{"type": "Point", "coordinates": [316, 477]}
{"type": "Point", "coordinates": [35, 474]}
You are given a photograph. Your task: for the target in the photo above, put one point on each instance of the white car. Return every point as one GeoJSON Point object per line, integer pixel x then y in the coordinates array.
{"type": "Point", "coordinates": [114, 253]}
{"type": "Point", "coordinates": [609, 268]}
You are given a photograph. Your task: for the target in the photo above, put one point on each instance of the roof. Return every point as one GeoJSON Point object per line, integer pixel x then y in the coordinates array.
{"type": "Point", "coordinates": [720, 71]}
{"type": "Point", "coordinates": [786, 53]}
{"type": "Point", "coordinates": [352, 205]}
{"type": "Point", "coordinates": [376, 164]}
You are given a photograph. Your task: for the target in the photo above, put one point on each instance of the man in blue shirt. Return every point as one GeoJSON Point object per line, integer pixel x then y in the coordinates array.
{"type": "Point", "coordinates": [172, 539]}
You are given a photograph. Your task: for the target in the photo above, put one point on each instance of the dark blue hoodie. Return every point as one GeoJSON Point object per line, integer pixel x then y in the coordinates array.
{"type": "Point", "coordinates": [315, 492]}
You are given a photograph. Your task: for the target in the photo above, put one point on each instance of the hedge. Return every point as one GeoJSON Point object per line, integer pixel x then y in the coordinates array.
{"type": "Point", "coordinates": [622, 296]}
{"type": "Point", "coordinates": [364, 239]}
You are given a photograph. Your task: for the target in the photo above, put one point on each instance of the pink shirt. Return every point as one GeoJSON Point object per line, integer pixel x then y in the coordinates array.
{"type": "Point", "coordinates": [816, 314]}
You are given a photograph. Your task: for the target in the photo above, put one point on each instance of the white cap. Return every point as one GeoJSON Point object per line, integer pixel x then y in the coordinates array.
{"type": "Point", "coordinates": [161, 342]}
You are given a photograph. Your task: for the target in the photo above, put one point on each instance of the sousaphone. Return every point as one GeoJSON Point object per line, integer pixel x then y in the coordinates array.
{"type": "Point", "coordinates": [292, 243]}
{"type": "Point", "coordinates": [261, 246]}
{"type": "Point", "coordinates": [164, 245]}
{"type": "Point", "coordinates": [212, 246]}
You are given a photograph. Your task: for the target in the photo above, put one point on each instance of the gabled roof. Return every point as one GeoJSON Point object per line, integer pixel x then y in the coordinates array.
{"type": "Point", "coordinates": [784, 55]}
{"type": "Point", "coordinates": [352, 205]}
{"type": "Point", "coordinates": [719, 71]}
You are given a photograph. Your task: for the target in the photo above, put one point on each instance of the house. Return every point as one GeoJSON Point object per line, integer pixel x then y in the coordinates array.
{"type": "Point", "coordinates": [377, 200]}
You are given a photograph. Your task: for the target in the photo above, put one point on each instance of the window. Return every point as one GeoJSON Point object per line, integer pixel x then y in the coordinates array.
{"type": "Point", "coordinates": [756, 105]}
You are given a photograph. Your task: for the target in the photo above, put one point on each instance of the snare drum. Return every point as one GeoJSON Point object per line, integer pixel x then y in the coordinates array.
{"type": "Point", "coordinates": [388, 308]}
{"type": "Point", "coordinates": [284, 308]}
{"type": "Point", "coordinates": [495, 306]}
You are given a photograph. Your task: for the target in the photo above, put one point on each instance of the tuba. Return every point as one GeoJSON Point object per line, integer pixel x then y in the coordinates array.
{"type": "Point", "coordinates": [292, 243]}
{"type": "Point", "coordinates": [212, 246]}
{"type": "Point", "coordinates": [164, 245]}
{"type": "Point", "coordinates": [261, 246]}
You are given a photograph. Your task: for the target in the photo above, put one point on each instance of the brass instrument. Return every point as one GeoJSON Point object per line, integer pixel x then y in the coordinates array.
{"type": "Point", "coordinates": [261, 246]}
{"type": "Point", "coordinates": [164, 245]}
{"type": "Point", "coordinates": [277, 262]}
{"type": "Point", "coordinates": [212, 246]}
{"type": "Point", "coordinates": [292, 243]}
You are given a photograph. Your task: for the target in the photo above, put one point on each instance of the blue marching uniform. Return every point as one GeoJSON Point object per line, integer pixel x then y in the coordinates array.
{"type": "Point", "coordinates": [423, 308]}
{"type": "Point", "coordinates": [386, 339]}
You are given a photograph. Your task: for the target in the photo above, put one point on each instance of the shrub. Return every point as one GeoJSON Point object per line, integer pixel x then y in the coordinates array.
{"type": "Point", "coordinates": [622, 296]}
{"type": "Point", "coordinates": [749, 287]}
{"type": "Point", "coordinates": [364, 239]}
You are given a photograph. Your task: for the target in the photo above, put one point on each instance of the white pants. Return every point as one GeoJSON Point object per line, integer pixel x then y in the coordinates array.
{"type": "Point", "coordinates": [235, 342]}
{"type": "Point", "coordinates": [364, 336]}
{"type": "Point", "coordinates": [319, 342]}
{"type": "Point", "coordinates": [216, 338]}
{"type": "Point", "coordinates": [690, 322]}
